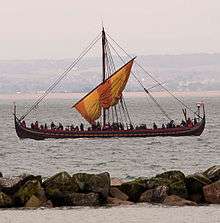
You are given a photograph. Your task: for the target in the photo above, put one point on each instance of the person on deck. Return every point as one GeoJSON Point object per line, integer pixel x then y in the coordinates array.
{"type": "Point", "coordinates": [77, 128]}
{"type": "Point", "coordinates": [36, 125]}
{"type": "Point", "coordinates": [131, 126]}
{"type": "Point", "coordinates": [23, 124]}
{"type": "Point", "coordinates": [163, 126]}
{"type": "Point", "coordinates": [60, 127]}
{"type": "Point", "coordinates": [81, 127]}
{"type": "Point", "coordinates": [32, 125]}
{"type": "Point", "coordinates": [52, 125]}
{"type": "Point", "coordinates": [154, 126]}
{"type": "Point", "coordinates": [195, 121]}
{"type": "Point", "coordinates": [189, 123]}
{"type": "Point", "coordinates": [183, 123]}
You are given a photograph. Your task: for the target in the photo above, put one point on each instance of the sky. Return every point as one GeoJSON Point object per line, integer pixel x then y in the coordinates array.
{"type": "Point", "coordinates": [52, 29]}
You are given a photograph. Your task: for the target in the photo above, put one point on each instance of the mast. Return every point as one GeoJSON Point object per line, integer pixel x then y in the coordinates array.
{"type": "Point", "coordinates": [103, 69]}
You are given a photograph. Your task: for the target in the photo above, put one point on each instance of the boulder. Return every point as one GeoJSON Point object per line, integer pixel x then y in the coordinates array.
{"type": "Point", "coordinates": [80, 199]}
{"type": "Point", "coordinates": [10, 185]}
{"type": "Point", "coordinates": [58, 185]}
{"type": "Point", "coordinates": [48, 204]}
{"type": "Point", "coordinates": [116, 193]}
{"type": "Point", "coordinates": [213, 173]}
{"type": "Point", "coordinates": [212, 192]}
{"type": "Point", "coordinates": [97, 183]}
{"type": "Point", "coordinates": [26, 191]}
{"type": "Point", "coordinates": [194, 185]}
{"type": "Point", "coordinates": [178, 188]}
{"type": "Point", "coordinates": [113, 201]}
{"type": "Point", "coordinates": [5, 200]}
{"type": "Point", "coordinates": [165, 179]}
{"type": "Point", "coordinates": [116, 181]}
{"type": "Point", "coordinates": [156, 195]}
{"type": "Point", "coordinates": [134, 188]}
{"type": "Point", "coordinates": [33, 202]}
{"type": "Point", "coordinates": [174, 200]}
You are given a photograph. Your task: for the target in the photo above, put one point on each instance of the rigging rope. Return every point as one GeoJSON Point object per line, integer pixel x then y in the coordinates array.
{"type": "Point", "coordinates": [181, 102]}
{"type": "Point", "coordinates": [52, 86]}
{"type": "Point", "coordinates": [146, 90]}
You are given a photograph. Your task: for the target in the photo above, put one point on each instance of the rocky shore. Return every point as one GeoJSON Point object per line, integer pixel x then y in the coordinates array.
{"type": "Point", "coordinates": [83, 189]}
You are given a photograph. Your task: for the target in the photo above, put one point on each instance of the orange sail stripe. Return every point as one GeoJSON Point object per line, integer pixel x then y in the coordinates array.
{"type": "Point", "coordinates": [104, 95]}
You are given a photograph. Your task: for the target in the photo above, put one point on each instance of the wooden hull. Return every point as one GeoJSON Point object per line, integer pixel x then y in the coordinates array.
{"type": "Point", "coordinates": [24, 132]}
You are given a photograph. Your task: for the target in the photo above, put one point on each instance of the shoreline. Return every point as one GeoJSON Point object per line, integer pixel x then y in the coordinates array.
{"type": "Point", "coordinates": [69, 95]}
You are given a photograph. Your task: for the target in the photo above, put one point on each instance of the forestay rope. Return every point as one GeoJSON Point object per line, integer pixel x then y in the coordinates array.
{"type": "Point", "coordinates": [61, 77]}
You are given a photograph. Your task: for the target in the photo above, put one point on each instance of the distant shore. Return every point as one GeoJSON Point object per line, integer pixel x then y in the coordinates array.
{"type": "Point", "coordinates": [68, 95]}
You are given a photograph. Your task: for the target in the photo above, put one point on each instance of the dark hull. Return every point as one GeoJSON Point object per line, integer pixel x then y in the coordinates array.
{"type": "Point", "coordinates": [24, 132]}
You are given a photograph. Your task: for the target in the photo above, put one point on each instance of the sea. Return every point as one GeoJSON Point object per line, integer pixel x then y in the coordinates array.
{"type": "Point", "coordinates": [124, 158]}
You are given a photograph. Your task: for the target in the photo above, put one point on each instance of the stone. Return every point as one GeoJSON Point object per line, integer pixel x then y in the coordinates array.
{"type": "Point", "coordinates": [116, 193]}
{"type": "Point", "coordinates": [58, 185]}
{"type": "Point", "coordinates": [212, 192]}
{"type": "Point", "coordinates": [165, 179]}
{"type": "Point", "coordinates": [48, 204]}
{"type": "Point", "coordinates": [156, 195]}
{"type": "Point", "coordinates": [80, 199]}
{"type": "Point", "coordinates": [62, 181]}
{"type": "Point", "coordinates": [10, 185]}
{"type": "Point", "coordinates": [213, 173]}
{"type": "Point", "coordinates": [174, 200]}
{"type": "Point", "coordinates": [113, 201]}
{"type": "Point", "coordinates": [26, 191]}
{"type": "Point", "coordinates": [97, 183]}
{"type": "Point", "coordinates": [134, 188]}
{"type": "Point", "coordinates": [5, 200]}
{"type": "Point", "coordinates": [116, 181]}
{"type": "Point", "coordinates": [194, 185]}
{"type": "Point", "coordinates": [178, 188]}
{"type": "Point", "coordinates": [33, 202]}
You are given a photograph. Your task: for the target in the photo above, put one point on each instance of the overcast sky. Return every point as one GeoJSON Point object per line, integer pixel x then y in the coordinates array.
{"type": "Point", "coordinates": [38, 29]}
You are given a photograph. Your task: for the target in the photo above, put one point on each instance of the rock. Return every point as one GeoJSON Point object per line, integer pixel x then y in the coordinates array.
{"type": "Point", "coordinates": [115, 201]}
{"type": "Point", "coordinates": [33, 202]}
{"type": "Point", "coordinates": [213, 173]}
{"type": "Point", "coordinates": [212, 192]}
{"type": "Point", "coordinates": [80, 199]}
{"type": "Point", "coordinates": [62, 181]}
{"type": "Point", "coordinates": [194, 185]}
{"type": "Point", "coordinates": [116, 193]}
{"type": "Point", "coordinates": [156, 195]}
{"type": "Point", "coordinates": [97, 183]}
{"type": "Point", "coordinates": [48, 204]}
{"type": "Point", "coordinates": [165, 179]}
{"type": "Point", "coordinates": [10, 185]}
{"type": "Point", "coordinates": [116, 181]}
{"type": "Point", "coordinates": [174, 200]}
{"type": "Point", "coordinates": [5, 200]}
{"type": "Point", "coordinates": [26, 191]}
{"type": "Point", "coordinates": [1, 175]}
{"type": "Point", "coordinates": [178, 188]}
{"type": "Point", "coordinates": [58, 185]}
{"type": "Point", "coordinates": [134, 188]}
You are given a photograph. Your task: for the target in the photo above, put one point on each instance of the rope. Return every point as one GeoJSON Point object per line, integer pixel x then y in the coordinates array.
{"type": "Point", "coordinates": [83, 53]}
{"type": "Point", "coordinates": [181, 102]}
{"type": "Point", "coordinates": [151, 96]}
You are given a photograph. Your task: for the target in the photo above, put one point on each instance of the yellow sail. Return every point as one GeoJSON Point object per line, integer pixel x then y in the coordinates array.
{"type": "Point", "coordinates": [104, 95]}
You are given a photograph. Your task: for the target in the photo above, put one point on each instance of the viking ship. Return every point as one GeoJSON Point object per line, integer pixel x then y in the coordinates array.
{"type": "Point", "coordinates": [104, 105]}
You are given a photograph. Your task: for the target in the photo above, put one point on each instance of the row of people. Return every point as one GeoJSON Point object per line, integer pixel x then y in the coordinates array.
{"type": "Point", "coordinates": [114, 126]}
